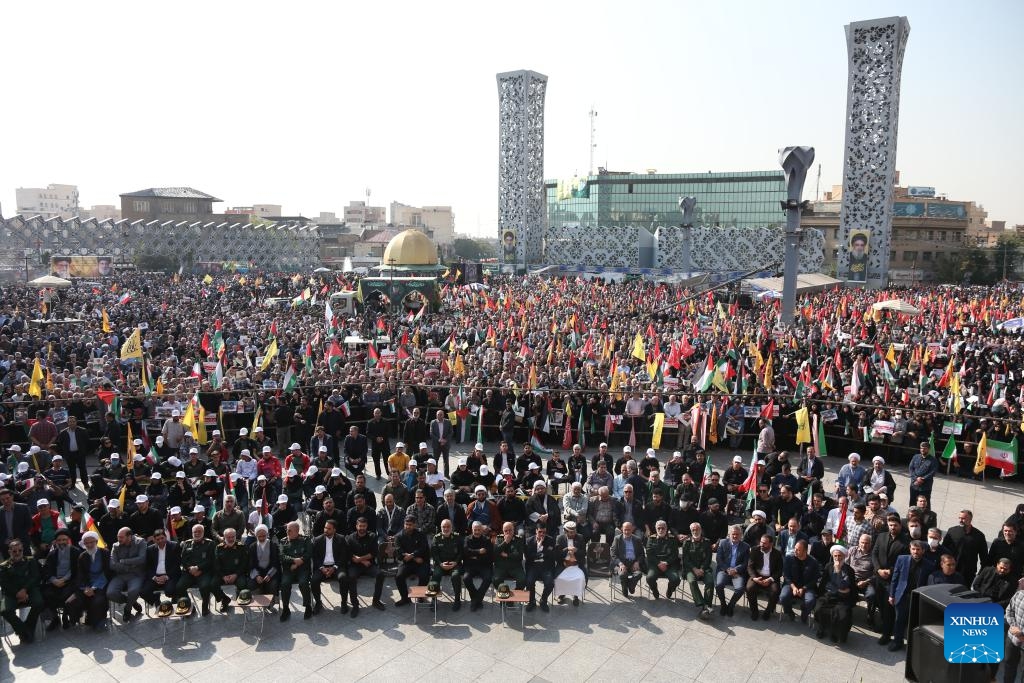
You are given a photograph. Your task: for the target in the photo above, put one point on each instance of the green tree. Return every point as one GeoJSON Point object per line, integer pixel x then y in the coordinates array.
{"type": "Point", "coordinates": [471, 250]}
{"type": "Point", "coordinates": [1006, 256]}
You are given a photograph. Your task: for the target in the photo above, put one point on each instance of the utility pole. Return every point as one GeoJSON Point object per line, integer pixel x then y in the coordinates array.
{"type": "Point", "coordinates": [593, 145]}
{"type": "Point", "coordinates": [817, 185]}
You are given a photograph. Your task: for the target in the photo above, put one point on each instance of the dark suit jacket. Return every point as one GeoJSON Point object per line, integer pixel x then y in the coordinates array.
{"type": "Point", "coordinates": [414, 433]}
{"type": "Point", "coordinates": [756, 563]}
{"type": "Point", "coordinates": [784, 539]}
{"type": "Point", "coordinates": [619, 551]}
{"type": "Point", "coordinates": [550, 553]}
{"type": "Point", "coordinates": [886, 549]}
{"type": "Point", "coordinates": [724, 554]}
{"type": "Point", "coordinates": [315, 443]}
{"type": "Point", "coordinates": [172, 561]}
{"type": "Point", "coordinates": [459, 525]}
{"type": "Point", "coordinates": [637, 507]}
{"type": "Point", "coordinates": [811, 572]}
{"type": "Point", "coordinates": [50, 566]}
{"type": "Point", "coordinates": [81, 439]}
{"type": "Point", "coordinates": [817, 469]}
{"type": "Point", "coordinates": [901, 576]}
{"type": "Point", "coordinates": [22, 523]}
{"type": "Point", "coordinates": [338, 545]}
{"type": "Point", "coordinates": [440, 429]}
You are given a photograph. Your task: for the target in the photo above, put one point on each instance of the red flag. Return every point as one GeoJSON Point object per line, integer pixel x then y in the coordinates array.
{"type": "Point", "coordinates": [205, 344]}
{"type": "Point", "coordinates": [768, 412]}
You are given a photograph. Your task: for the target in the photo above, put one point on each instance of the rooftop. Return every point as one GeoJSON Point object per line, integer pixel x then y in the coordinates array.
{"type": "Point", "coordinates": [172, 193]}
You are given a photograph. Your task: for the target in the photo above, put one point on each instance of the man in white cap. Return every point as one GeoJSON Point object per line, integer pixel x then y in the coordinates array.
{"type": "Point", "coordinates": [627, 456]}
{"type": "Point", "coordinates": [735, 475]}
{"type": "Point", "coordinates": [128, 565]}
{"type": "Point", "coordinates": [476, 459]}
{"type": "Point", "coordinates": [109, 524]}
{"type": "Point", "coordinates": [173, 430]}
{"type": "Point", "coordinates": [243, 442]}
{"type": "Point", "coordinates": [399, 460]}
{"type": "Point", "coordinates": [282, 514]}
{"type": "Point", "coordinates": [145, 520]}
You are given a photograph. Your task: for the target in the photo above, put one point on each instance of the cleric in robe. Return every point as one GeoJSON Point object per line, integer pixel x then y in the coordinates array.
{"type": "Point", "coordinates": [858, 257]}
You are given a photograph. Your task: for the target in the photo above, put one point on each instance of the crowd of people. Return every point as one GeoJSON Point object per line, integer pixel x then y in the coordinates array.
{"type": "Point", "coordinates": [232, 444]}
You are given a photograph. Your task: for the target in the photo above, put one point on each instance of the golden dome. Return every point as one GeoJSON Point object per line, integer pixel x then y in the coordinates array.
{"type": "Point", "coordinates": [410, 248]}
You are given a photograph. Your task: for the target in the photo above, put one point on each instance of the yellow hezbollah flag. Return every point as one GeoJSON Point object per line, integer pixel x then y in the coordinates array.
{"type": "Point", "coordinates": [979, 464]}
{"type": "Point", "coordinates": [269, 355]}
{"type": "Point", "coordinates": [639, 352]}
{"type": "Point", "coordinates": [208, 280]}
{"type": "Point", "coordinates": [35, 387]}
{"type": "Point", "coordinates": [132, 347]}
{"type": "Point", "coordinates": [106, 322]}
{"type": "Point", "coordinates": [659, 426]}
{"type": "Point", "coordinates": [803, 426]}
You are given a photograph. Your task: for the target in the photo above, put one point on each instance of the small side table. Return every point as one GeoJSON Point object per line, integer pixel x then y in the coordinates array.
{"type": "Point", "coordinates": [417, 593]}
{"type": "Point", "coordinates": [516, 600]}
{"type": "Point", "coordinates": [260, 604]}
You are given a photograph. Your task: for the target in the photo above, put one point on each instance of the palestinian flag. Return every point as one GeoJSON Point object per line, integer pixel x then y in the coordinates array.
{"type": "Point", "coordinates": [334, 355]}
{"type": "Point", "coordinates": [291, 380]}
{"type": "Point", "coordinates": [372, 357]}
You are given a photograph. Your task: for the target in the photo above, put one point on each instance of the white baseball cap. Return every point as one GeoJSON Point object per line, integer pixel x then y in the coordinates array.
{"type": "Point", "coordinates": [197, 509]}
{"type": "Point", "coordinates": [113, 504]}
{"type": "Point", "coordinates": [336, 472]}
{"type": "Point", "coordinates": [193, 450]}
{"type": "Point", "coordinates": [295, 447]}
{"type": "Point", "coordinates": [258, 429]}
{"type": "Point", "coordinates": [156, 476]}
{"type": "Point", "coordinates": [320, 489]}
{"type": "Point", "coordinates": [627, 449]}
{"type": "Point", "coordinates": [400, 444]}
{"type": "Point", "coordinates": [266, 449]}
{"type": "Point", "coordinates": [209, 473]}
{"type": "Point", "coordinates": [479, 446]}
{"type": "Point", "coordinates": [175, 510]}
{"type": "Point", "coordinates": [216, 432]}
{"type": "Point", "coordinates": [179, 474]}
{"type": "Point", "coordinates": [243, 431]}
{"type": "Point", "coordinates": [175, 413]}
{"type": "Point", "coordinates": [283, 498]}
{"type": "Point", "coordinates": [322, 449]}
{"type": "Point", "coordinates": [423, 444]}
{"type": "Point", "coordinates": [737, 458]}
{"type": "Point", "coordinates": [141, 498]}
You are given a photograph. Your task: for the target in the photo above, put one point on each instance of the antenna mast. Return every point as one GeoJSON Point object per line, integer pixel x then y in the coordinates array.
{"type": "Point", "coordinates": [593, 145]}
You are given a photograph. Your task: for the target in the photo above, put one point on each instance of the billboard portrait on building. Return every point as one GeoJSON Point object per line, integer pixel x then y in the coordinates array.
{"type": "Point", "coordinates": [81, 266]}
{"type": "Point", "coordinates": [859, 250]}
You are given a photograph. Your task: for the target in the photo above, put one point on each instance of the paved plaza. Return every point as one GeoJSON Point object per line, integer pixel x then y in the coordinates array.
{"type": "Point", "coordinates": [625, 640]}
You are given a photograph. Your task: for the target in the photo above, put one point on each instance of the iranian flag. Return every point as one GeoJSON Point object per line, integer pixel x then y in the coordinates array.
{"type": "Point", "coordinates": [1000, 454]}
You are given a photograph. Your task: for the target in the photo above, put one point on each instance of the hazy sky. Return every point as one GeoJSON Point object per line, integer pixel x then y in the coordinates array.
{"type": "Point", "coordinates": [308, 104]}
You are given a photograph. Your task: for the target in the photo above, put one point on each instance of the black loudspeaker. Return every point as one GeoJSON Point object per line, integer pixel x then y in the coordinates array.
{"type": "Point", "coordinates": [926, 658]}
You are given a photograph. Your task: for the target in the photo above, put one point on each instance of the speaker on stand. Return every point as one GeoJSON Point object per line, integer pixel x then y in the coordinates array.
{"type": "Point", "coordinates": [926, 657]}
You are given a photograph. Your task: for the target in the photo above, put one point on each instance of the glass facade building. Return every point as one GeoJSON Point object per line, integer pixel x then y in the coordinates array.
{"type": "Point", "coordinates": [746, 199]}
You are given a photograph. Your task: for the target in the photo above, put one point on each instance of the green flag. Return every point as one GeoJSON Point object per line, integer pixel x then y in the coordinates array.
{"type": "Point", "coordinates": [821, 446]}
{"type": "Point", "coordinates": [950, 450]}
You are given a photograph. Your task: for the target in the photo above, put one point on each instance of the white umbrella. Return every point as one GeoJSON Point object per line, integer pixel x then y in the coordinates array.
{"type": "Point", "coordinates": [896, 305]}
{"type": "Point", "coordinates": [51, 281]}
{"type": "Point", "coordinates": [322, 270]}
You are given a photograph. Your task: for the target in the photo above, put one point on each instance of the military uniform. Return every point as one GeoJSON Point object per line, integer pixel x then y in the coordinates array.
{"type": "Point", "coordinates": [662, 550]}
{"type": "Point", "coordinates": [290, 550]}
{"type": "Point", "coordinates": [447, 549]}
{"type": "Point", "coordinates": [230, 560]}
{"type": "Point", "coordinates": [697, 555]}
{"type": "Point", "coordinates": [199, 554]}
{"type": "Point", "coordinates": [15, 577]}
{"type": "Point", "coordinates": [508, 561]}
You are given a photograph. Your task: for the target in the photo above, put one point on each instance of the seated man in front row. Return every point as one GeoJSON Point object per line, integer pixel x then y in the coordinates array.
{"type": "Point", "coordinates": [764, 570]}
{"type": "Point", "coordinates": [697, 569]}
{"type": "Point", "coordinates": [509, 550]}
{"type": "Point", "coordinates": [801, 573]}
{"type": "Point", "coordinates": [628, 559]}
{"type": "Point", "coordinates": [662, 559]}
